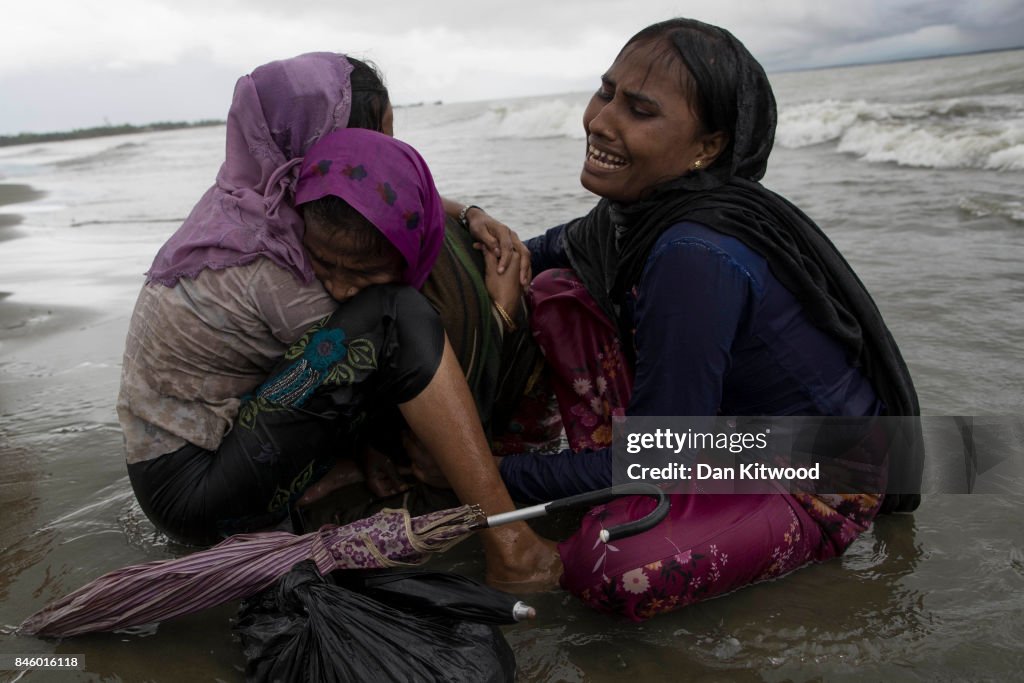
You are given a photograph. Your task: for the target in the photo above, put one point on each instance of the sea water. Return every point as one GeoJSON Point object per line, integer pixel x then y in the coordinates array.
{"type": "Point", "coordinates": [915, 170]}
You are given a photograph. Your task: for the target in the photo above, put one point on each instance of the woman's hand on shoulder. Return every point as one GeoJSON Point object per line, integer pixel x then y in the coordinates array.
{"type": "Point", "coordinates": [505, 287]}
{"type": "Point", "coordinates": [501, 241]}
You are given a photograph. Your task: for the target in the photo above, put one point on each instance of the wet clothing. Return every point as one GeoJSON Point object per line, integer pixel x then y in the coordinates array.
{"type": "Point", "coordinates": [231, 402]}
{"type": "Point", "coordinates": [195, 348]}
{"type": "Point", "coordinates": [721, 298]}
{"type": "Point", "coordinates": [277, 112]}
{"type": "Point", "coordinates": [713, 332]}
{"type": "Point", "coordinates": [501, 365]}
{"type": "Point", "coordinates": [379, 349]}
{"type": "Point", "coordinates": [611, 247]}
{"type": "Point", "coordinates": [496, 362]}
{"type": "Point", "coordinates": [709, 544]}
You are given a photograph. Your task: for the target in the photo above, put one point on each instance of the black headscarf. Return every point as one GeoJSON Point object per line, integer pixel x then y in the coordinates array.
{"type": "Point", "coordinates": [608, 247]}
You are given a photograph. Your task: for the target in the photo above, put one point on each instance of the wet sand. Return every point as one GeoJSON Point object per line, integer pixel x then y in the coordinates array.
{"type": "Point", "coordinates": [20, 321]}
{"type": "Point", "coordinates": [18, 193]}
{"type": "Point", "coordinates": [27, 324]}
{"type": "Point", "coordinates": [14, 193]}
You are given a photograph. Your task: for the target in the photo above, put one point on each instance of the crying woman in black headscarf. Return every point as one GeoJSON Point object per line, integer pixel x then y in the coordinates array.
{"type": "Point", "coordinates": [691, 290]}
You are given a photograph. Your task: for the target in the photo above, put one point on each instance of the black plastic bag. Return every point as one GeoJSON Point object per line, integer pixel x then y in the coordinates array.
{"type": "Point", "coordinates": [308, 628]}
{"type": "Point", "coordinates": [435, 593]}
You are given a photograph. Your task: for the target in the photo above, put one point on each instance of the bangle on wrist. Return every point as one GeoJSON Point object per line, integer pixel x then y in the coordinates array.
{"type": "Point", "coordinates": [462, 214]}
{"type": "Point", "coordinates": [510, 324]}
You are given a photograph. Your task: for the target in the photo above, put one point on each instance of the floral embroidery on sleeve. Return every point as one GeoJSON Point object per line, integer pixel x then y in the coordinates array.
{"type": "Point", "coordinates": [321, 357]}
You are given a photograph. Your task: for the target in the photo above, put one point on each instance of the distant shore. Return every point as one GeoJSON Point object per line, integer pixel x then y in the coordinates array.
{"type": "Point", "coordinates": [102, 131]}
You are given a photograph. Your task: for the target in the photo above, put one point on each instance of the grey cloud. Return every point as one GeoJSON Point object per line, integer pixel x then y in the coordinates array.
{"type": "Point", "coordinates": [482, 49]}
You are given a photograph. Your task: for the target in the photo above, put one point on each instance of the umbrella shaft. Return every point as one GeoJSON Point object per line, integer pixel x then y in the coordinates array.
{"type": "Point", "coordinates": [519, 515]}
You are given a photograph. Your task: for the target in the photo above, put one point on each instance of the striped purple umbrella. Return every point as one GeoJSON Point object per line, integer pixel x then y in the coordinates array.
{"type": "Point", "coordinates": [245, 564]}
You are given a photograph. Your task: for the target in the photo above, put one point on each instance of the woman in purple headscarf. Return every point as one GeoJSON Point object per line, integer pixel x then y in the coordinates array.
{"type": "Point", "coordinates": [258, 349]}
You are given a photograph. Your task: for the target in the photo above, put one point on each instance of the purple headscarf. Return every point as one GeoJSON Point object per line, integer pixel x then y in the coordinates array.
{"type": "Point", "coordinates": [277, 113]}
{"type": "Point", "coordinates": [388, 182]}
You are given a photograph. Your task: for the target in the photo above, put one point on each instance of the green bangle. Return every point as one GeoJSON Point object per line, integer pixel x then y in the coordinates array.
{"type": "Point", "coordinates": [462, 214]}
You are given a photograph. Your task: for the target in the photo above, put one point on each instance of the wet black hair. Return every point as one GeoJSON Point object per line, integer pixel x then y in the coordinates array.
{"type": "Point", "coordinates": [333, 216]}
{"type": "Point", "coordinates": [369, 96]}
{"type": "Point", "coordinates": [709, 79]}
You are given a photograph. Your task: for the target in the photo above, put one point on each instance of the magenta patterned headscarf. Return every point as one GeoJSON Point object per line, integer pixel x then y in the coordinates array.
{"type": "Point", "coordinates": [277, 113]}
{"type": "Point", "coordinates": [388, 182]}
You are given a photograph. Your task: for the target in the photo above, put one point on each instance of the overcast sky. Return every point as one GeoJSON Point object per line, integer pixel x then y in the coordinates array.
{"type": "Point", "coordinates": [79, 63]}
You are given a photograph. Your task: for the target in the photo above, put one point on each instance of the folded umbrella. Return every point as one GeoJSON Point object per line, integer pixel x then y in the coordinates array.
{"type": "Point", "coordinates": [245, 564]}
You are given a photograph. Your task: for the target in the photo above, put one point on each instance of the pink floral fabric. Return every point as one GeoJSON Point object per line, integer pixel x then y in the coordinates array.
{"type": "Point", "coordinates": [708, 545]}
{"type": "Point", "coordinates": [587, 369]}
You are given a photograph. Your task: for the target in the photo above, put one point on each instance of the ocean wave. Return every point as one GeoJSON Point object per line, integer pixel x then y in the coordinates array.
{"type": "Point", "coordinates": [551, 119]}
{"type": "Point", "coordinates": [114, 153]}
{"type": "Point", "coordinates": [980, 132]}
{"type": "Point", "coordinates": [985, 132]}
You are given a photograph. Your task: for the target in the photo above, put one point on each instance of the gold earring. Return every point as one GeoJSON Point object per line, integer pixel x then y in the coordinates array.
{"type": "Point", "coordinates": [697, 165]}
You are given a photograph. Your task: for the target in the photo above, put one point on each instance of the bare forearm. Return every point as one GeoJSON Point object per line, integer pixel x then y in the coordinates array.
{"type": "Point", "coordinates": [451, 207]}
{"type": "Point", "coordinates": [444, 419]}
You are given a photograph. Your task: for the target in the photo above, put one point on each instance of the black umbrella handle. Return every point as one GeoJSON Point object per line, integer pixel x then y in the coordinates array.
{"type": "Point", "coordinates": [592, 498]}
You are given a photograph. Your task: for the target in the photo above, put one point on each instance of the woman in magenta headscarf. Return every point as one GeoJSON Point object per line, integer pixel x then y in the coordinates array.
{"type": "Point", "coordinates": [258, 347]}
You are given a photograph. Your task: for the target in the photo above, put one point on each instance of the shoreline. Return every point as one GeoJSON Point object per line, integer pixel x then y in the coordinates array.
{"type": "Point", "coordinates": [15, 193]}
{"type": "Point", "coordinates": [26, 138]}
{"type": "Point", "coordinates": [22, 323]}
{"type": "Point", "coordinates": [18, 320]}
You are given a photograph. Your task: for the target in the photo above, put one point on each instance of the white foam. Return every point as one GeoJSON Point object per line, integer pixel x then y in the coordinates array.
{"type": "Point", "coordinates": [557, 118]}
{"type": "Point", "coordinates": [981, 132]}
{"type": "Point", "coordinates": [984, 131]}
{"type": "Point", "coordinates": [815, 122]}
{"type": "Point", "coordinates": [1010, 159]}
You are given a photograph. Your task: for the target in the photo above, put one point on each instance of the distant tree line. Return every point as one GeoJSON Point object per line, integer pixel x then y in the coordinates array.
{"type": "Point", "coordinates": [101, 131]}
